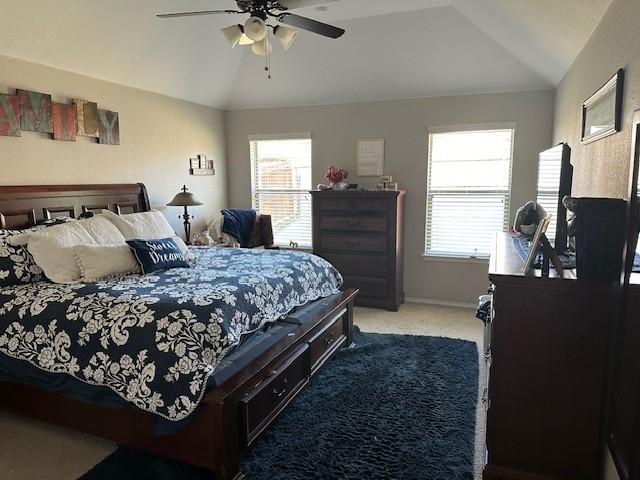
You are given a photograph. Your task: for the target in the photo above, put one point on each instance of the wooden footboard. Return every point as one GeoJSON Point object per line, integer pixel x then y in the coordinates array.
{"type": "Point", "coordinates": [231, 417]}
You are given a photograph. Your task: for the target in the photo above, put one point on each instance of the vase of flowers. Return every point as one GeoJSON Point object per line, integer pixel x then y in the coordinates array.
{"type": "Point", "coordinates": [336, 176]}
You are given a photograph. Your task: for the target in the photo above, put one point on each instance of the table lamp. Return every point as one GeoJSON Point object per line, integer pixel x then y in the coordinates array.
{"type": "Point", "coordinates": [185, 199]}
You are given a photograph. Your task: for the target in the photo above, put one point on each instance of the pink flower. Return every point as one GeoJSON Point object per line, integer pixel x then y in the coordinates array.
{"type": "Point", "coordinates": [335, 175]}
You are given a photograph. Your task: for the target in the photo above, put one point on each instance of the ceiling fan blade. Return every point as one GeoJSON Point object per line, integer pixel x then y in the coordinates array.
{"type": "Point", "coordinates": [193, 14]}
{"type": "Point", "coordinates": [311, 25]}
{"type": "Point", "coordinates": [291, 4]}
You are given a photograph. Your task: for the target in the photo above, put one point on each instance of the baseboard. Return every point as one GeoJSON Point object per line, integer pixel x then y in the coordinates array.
{"type": "Point", "coordinates": [440, 303]}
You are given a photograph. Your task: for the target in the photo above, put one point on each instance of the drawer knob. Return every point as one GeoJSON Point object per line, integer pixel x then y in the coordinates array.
{"type": "Point", "coordinates": [328, 340]}
{"type": "Point", "coordinates": [283, 390]}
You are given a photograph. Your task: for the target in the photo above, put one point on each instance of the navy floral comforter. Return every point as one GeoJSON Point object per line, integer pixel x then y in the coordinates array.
{"type": "Point", "coordinates": [155, 339]}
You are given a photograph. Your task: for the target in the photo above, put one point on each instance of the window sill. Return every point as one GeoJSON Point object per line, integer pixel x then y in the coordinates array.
{"type": "Point", "coordinates": [452, 259]}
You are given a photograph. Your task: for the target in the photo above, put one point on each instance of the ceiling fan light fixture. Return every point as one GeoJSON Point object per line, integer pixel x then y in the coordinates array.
{"type": "Point", "coordinates": [233, 34]}
{"type": "Point", "coordinates": [244, 40]}
{"type": "Point", "coordinates": [286, 36]}
{"type": "Point", "coordinates": [255, 28]}
{"type": "Point", "coordinates": [262, 48]}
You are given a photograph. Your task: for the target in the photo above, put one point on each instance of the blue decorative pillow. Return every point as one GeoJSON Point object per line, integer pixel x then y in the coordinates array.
{"type": "Point", "coordinates": [16, 263]}
{"type": "Point", "coordinates": [154, 255]}
{"type": "Point", "coordinates": [17, 266]}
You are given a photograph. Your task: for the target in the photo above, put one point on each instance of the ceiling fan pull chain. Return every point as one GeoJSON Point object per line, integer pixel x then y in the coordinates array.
{"type": "Point", "coordinates": [268, 57]}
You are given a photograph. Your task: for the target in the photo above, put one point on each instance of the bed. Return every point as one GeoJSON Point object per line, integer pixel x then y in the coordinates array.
{"type": "Point", "coordinates": [219, 408]}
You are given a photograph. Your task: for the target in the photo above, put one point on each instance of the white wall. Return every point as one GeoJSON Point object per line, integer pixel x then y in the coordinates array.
{"type": "Point", "coordinates": [158, 134]}
{"type": "Point", "coordinates": [403, 123]}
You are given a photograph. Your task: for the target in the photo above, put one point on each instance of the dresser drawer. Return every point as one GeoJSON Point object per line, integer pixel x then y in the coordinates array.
{"type": "Point", "coordinates": [369, 286]}
{"type": "Point", "coordinates": [355, 243]}
{"type": "Point", "coordinates": [373, 205]}
{"type": "Point", "coordinates": [261, 406]}
{"type": "Point", "coordinates": [364, 265]}
{"type": "Point", "coordinates": [327, 341]}
{"type": "Point", "coordinates": [351, 223]}
{"type": "Point", "coordinates": [328, 204]}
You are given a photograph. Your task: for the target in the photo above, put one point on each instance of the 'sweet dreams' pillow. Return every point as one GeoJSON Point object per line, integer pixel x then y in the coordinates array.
{"type": "Point", "coordinates": [154, 255]}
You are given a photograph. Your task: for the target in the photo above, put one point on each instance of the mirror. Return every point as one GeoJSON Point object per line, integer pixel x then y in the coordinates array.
{"type": "Point", "coordinates": [601, 113]}
{"type": "Point", "coordinates": [624, 422]}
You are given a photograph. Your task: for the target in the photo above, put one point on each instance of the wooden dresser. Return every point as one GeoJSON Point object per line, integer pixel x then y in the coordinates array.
{"type": "Point", "coordinates": [361, 234]}
{"type": "Point", "coordinates": [547, 355]}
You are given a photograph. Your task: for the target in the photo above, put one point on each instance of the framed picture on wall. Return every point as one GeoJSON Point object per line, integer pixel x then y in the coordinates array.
{"type": "Point", "coordinates": [370, 157]}
{"type": "Point", "coordinates": [602, 112]}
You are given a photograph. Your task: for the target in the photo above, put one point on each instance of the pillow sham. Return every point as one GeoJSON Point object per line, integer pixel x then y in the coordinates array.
{"type": "Point", "coordinates": [17, 266]}
{"type": "Point", "coordinates": [100, 261]}
{"type": "Point", "coordinates": [151, 225]}
{"type": "Point", "coordinates": [51, 247]}
{"type": "Point", "coordinates": [155, 255]}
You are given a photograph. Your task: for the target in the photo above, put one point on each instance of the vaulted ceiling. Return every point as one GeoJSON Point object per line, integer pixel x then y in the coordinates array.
{"type": "Point", "coordinates": [392, 48]}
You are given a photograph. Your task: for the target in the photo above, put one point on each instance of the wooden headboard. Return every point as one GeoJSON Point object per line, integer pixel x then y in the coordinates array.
{"type": "Point", "coordinates": [23, 206]}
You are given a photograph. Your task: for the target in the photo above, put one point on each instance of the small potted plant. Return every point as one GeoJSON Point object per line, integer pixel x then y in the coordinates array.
{"type": "Point", "coordinates": [336, 177]}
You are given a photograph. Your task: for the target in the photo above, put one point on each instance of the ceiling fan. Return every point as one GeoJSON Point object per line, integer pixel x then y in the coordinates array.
{"type": "Point", "coordinates": [255, 30]}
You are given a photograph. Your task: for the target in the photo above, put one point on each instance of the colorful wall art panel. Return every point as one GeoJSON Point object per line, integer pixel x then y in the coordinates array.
{"type": "Point", "coordinates": [86, 118]}
{"type": "Point", "coordinates": [9, 116]}
{"type": "Point", "coordinates": [35, 111]}
{"type": "Point", "coordinates": [108, 127]}
{"type": "Point", "coordinates": [64, 122]}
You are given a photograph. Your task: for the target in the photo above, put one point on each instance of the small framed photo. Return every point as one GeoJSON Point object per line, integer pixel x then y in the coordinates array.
{"type": "Point", "coordinates": [380, 186]}
{"type": "Point", "coordinates": [386, 178]}
{"type": "Point", "coordinates": [203, 160]}
{"type": "Point", "coordinates": [195, 163]}
{"type": "Point", "coordinates": [209, 164]}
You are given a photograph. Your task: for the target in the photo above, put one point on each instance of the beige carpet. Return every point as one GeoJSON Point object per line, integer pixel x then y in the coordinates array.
{"type": "Point", "coordinates": [30, 450]}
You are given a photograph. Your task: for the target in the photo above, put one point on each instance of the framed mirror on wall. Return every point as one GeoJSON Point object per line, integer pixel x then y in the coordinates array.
{"type": "Point", "coordinates": [602, 112]}
{"type": "Point", "coordinates": [624, 414]}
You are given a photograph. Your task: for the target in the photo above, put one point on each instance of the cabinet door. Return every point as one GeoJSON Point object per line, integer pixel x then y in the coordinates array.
{"type": "Point", "coordinates": [624, 422]}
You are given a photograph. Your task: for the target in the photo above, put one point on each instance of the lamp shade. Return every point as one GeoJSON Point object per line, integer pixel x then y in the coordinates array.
{"type": "Point", "coordinates": [184, 199]}
{"type": "Point", "coordinates": [262, 48]}
{"type": "Point", "coordinates": [244, 40]}
{"type": "Point", "coordinates": [255, 28]}
{"type": "Point", "coordinates": [286, 36]}
{"type": "Point", "coordinates": [233, 34]}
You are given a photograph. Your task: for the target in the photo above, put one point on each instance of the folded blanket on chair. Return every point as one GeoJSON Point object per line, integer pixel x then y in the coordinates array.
{"type": "Point", "coordinates": [238, 222]}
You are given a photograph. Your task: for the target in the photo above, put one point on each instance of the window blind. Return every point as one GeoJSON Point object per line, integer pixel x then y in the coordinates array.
{"type": "Point", "coordinates": [468, 191]}
{"type": "Point", "coordinates": [549, 169]}
{"type": "Point", "coordinates": [280, 185]}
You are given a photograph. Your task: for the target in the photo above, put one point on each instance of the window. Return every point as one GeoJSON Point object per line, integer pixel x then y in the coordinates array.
{"type": "Point", "coordinates": [468, 182]}
{"type": "Point", "coordinates": [280, 184]}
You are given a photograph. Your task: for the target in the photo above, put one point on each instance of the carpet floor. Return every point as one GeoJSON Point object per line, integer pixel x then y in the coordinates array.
{"type": "Point", "coordinates": [391, 407]}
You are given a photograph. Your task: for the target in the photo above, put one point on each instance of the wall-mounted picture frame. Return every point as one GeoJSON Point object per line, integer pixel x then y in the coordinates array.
{"type": "Point", "coordinates": [370, 157]}
{"type": "Point", "coordinates": [602, 112]}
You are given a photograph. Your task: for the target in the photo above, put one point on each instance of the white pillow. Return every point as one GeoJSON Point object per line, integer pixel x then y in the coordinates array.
{"type": "Point", "coordinates": [151, 225]}
{"type": "Point", "coordinates": [51, 247]}
{"type": "Point", "coordinates": [99, 261]}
